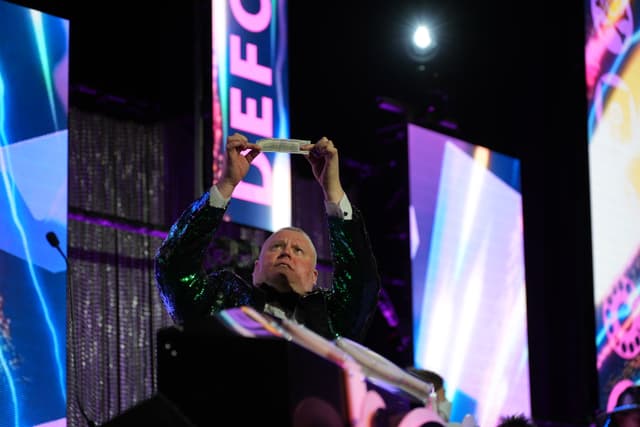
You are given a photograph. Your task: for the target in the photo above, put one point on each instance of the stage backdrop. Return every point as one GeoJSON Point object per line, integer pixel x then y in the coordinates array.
{"type": "Point", "coordinates": [250, 96]}
{"type": "Point", "coordinates": [468, 275]}
{"type": "Point", "coordinates": [33, 204]}
{"type": "Point", "coordinates": [612, 57]}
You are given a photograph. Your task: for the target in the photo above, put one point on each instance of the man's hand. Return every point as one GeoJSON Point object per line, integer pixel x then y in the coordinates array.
{"type": "Point", "coordinates": [237, 163]}
{"type": "Point", "coordinates": [323, 157]}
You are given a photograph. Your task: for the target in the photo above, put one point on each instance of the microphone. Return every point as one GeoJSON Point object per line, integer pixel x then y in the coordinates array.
{"type": "Point", "coordinates": [53, 240]}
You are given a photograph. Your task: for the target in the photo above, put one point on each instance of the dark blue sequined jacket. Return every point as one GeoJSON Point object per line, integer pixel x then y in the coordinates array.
{"type": "Point", "coordinates": [189, 292]}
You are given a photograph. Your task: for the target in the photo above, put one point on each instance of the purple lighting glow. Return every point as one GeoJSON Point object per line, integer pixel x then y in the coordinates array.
{"type": "Point", "coordinates": [127, 226]}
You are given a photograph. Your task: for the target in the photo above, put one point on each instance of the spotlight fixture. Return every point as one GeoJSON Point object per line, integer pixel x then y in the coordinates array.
{"type": "Point", "coordinates": [422, 46]}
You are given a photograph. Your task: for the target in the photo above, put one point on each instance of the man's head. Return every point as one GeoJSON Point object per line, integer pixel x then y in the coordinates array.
{"type": "Point", "coordinates": [516, 420]}
{"type": "Point", "coordinates": [627, 410]}
{"type": "Point", "coordinates": [287, 262]}
{"type": "Point", "coordinates": [443, 406]}
{"type": "Point", "coordinates": [430, 377]}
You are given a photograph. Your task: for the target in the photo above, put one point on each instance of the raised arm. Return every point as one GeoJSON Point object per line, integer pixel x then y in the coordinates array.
{"type": "Point", "coordinates": [186, 289]}
{"type": "Point", "coordinates": [239, 155]}
{"type": "Point", "coordinates": [356, 282]}
{"type": "Point", "coordinates": [325, 164]}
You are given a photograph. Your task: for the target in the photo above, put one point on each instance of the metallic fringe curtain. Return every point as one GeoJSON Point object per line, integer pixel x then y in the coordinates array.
{"type": "Point", "coordinates": [116, 179]}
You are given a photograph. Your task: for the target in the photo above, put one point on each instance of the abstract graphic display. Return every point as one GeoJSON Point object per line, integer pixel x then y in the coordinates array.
{"type": "Point", "coordinates": [468, 274]}
{"type": "Point", "coordinates": [33, 202]}
{"type": "Point", "coordinates": [612, 57]}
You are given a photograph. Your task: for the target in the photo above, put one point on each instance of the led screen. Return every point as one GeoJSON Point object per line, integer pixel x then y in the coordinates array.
{"type": "Point", "coordinates": [612, 56]}
{"type": "Point", "coordinates": [468, 276]}
{"type": "Point", "coordinates": [33, 203]}
{"type": "Point", "coordinates": [250, 96]}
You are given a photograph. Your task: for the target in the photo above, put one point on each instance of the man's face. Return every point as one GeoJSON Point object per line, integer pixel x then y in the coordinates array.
{"type": "Point", "coordinates": [628, 419]}
{"type": "Point", "coordinates": [287, 262]}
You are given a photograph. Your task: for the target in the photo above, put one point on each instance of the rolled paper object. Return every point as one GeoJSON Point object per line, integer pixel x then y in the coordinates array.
{"type": "Point", "coordinates": [282, 145]}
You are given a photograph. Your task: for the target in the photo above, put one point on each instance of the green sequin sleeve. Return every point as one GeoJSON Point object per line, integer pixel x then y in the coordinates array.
{"type": "Point", "coordinates": [356, 282]}
{"type": "Point", "coordinates": [179, 269]}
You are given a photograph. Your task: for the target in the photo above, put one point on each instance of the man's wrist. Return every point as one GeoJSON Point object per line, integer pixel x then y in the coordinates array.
{"type": "Point", "coordinates": [217, 199]}
{"type": "Point", "coordinates": [342, 209]}
{"type": "Point", "coordinates": [334, 196]}
{"type": "Point", "coordinates": [225, 188]}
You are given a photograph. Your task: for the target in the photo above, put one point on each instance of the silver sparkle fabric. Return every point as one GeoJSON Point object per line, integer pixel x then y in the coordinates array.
{"type": "Point", "coordinates": [116, 174]}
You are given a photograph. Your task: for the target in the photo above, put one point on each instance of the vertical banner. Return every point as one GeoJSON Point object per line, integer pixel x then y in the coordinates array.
{"type": "Point", "coordinates": [33, 216]}
{"type": "Point", "coordinates": [250, 96]}
{"type": "Point", "coordinates": [612, 59]}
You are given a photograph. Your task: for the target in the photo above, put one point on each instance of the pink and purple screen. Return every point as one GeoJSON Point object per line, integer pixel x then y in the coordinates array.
{"type": "Point", "coordinates": [33, 203]}
{"type": "Point", "coordinates": [612, 57]}
{"type": "Point", "coordinates": [468, 275]}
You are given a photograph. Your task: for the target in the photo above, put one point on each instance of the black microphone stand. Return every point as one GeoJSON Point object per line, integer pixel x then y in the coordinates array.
{"type": "Point", "coordinates": [53, 240]}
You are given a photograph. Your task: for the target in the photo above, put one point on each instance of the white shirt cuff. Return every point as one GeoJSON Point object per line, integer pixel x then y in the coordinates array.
{"type": "Point", "coordinates": [342, 209]}
{"type": "Point", "coordinates": [216, 199]}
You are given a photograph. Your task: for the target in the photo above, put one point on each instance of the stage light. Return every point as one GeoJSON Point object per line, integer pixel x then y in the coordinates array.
{"type": "Point", "coordinates": [422, 37]}
{"type": "Point", "coordinates": [423, 45]}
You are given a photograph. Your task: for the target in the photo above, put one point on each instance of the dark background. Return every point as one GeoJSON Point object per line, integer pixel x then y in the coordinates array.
{"type": "Point", "coordinates": [510, 75]}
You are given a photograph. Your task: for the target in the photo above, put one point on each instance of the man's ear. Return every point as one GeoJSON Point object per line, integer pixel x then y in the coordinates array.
{"type": "Point", "coordinates": [253, 273]}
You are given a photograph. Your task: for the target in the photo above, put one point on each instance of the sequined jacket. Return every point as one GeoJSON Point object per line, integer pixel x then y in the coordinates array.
{"type": "Point", "coordinates": [189, 292]}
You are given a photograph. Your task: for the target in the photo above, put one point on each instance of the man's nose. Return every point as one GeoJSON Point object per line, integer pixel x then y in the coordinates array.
{"type": "Point", "coordinates": [285, 251]}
